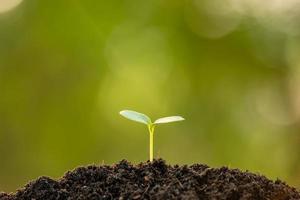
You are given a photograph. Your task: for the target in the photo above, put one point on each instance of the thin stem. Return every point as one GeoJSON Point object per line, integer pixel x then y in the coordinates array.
{"type": "Point", "coordinates": [151, 134]}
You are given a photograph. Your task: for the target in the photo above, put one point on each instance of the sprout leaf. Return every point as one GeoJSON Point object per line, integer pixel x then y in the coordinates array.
{"type": "Point", "coordinates": [142, 118]}
{"type": "Point", "coordinates": [168, 119]}
{"type": "Point", "coordinates": [136, 116]}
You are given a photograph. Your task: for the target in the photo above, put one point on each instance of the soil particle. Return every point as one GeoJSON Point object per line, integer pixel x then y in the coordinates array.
{"type": "Point", "coordinates": [155, 180]}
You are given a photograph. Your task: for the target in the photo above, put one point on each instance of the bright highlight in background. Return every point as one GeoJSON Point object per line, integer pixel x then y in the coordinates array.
{"type": "Point", "coordinates": [7, 5]}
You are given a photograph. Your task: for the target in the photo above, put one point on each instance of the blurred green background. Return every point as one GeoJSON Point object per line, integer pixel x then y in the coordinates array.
{"type": "Point", "coordinates": [230, 67]}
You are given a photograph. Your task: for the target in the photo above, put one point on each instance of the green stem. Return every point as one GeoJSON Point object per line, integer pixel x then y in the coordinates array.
{"type": "Point", "coordinates": [151, 134]}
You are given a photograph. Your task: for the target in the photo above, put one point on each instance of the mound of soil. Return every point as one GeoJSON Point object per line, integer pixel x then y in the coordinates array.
{"type": "Point", "coordinates": [155, 180]}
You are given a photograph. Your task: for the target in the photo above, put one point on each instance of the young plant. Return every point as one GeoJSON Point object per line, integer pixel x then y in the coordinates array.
{"type": "Point", "coordinates": [142, 118]}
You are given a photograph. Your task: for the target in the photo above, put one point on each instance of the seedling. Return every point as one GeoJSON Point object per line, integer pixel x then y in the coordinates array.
{"type": "Point", "coordinates": [142, 118]}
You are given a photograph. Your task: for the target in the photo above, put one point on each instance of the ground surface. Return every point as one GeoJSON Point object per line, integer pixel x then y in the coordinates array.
{"type": "Point", "coordinates": [154, 181]}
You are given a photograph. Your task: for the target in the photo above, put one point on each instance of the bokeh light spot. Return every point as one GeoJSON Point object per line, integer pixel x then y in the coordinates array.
{"type": "Point", "coordinates": [211, 19]}
{"type": "Point", "coordinates": [7, 5]}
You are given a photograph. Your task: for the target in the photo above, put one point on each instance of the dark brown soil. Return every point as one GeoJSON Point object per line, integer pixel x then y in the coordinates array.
{"type": "Point", "coordinates": [155, 181]}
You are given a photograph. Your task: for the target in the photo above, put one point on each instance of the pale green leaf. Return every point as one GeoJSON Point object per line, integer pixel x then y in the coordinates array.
{"type": "Point", "coordinates": [168, 119]}
{"type": "Point", "coordinates": [136, 116]}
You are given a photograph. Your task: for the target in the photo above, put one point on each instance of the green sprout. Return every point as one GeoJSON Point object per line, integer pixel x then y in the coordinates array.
{"type": "Point", "coordinates": [142, 118]}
